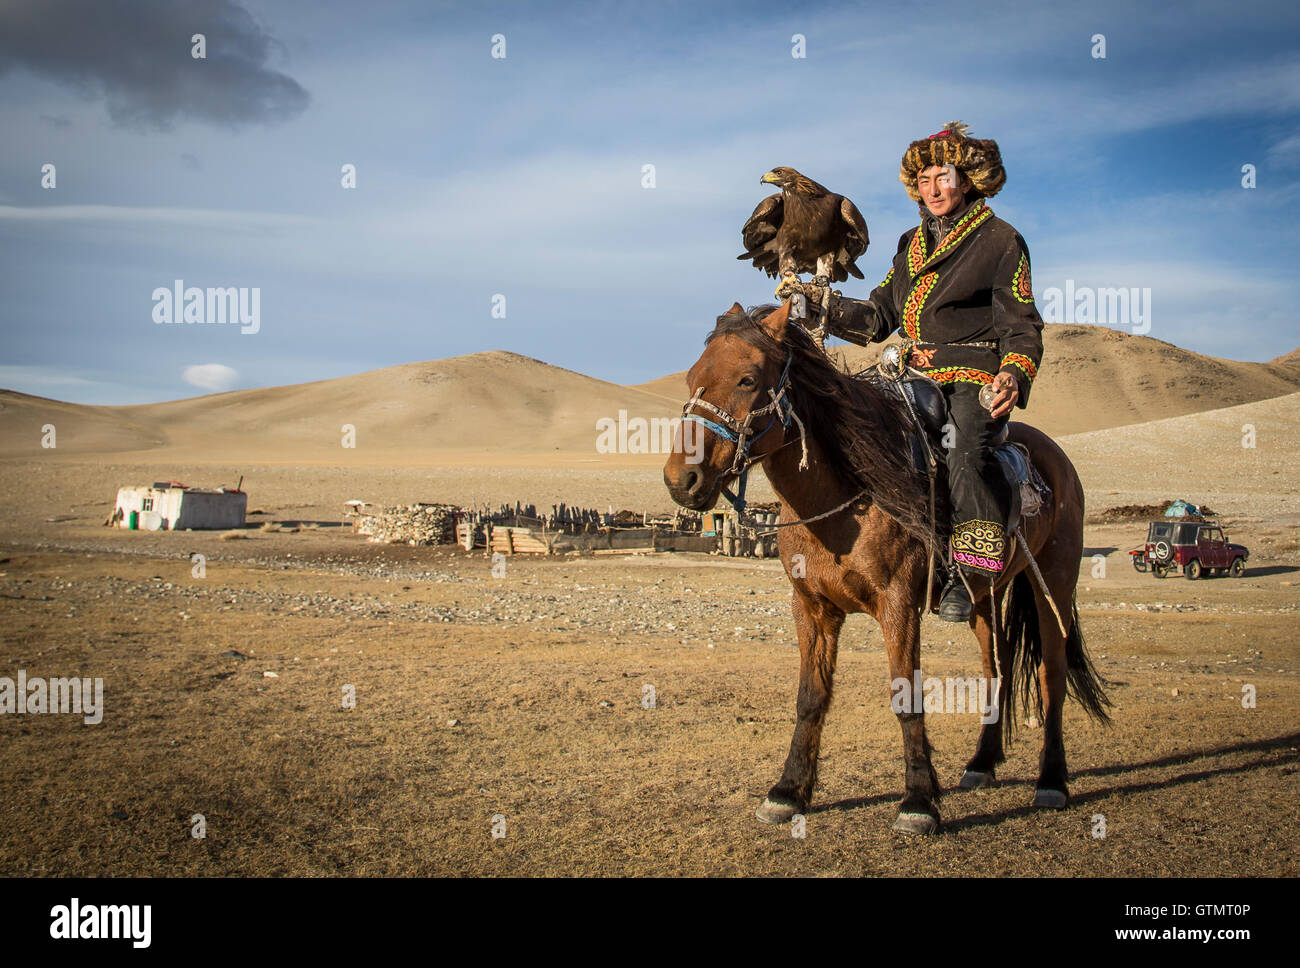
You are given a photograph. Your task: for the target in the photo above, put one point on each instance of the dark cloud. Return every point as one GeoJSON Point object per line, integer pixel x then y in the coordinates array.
{"type": "Point", "coordinates": [137, 57]}
{"type": "Point", "coordinates": [189, 161]}
{"type": "Point", "coordinates": [56, 121]}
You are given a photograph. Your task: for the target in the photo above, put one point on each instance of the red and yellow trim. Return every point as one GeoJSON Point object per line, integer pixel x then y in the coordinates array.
{"type": "Point", "coordinates": [916, 251]}
{"type": "Point", "coordinates": [977, 216]}
{"type": "Point", "coordinates": [1021, 287]}
{"type": "Point", "coordinates": [960, 374]}
{"type": "Point", "coordinates": [921, 359]}
{"type": "Point", "coordinates": [916, 302]}
{"type": "Point", "coordinates": [1019, 360]}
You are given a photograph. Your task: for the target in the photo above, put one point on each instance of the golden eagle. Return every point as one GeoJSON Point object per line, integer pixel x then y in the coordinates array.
{"type": "Point", "coordinates": [805, 228]}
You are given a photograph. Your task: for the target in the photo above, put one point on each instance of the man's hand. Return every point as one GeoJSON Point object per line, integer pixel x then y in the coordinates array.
{"type": "Point", "coordinates": [791, 285]}
{"type": "Point", "coordinates": [1007, 394]}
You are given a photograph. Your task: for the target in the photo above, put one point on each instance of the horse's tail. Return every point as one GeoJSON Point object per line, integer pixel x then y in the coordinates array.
{"type": "Point", "coordinates": [1026, 650]}
{"type": "Point", "coordinates": [1081, 675]}
{"type": "Point", "coordinates": [1024, 637]}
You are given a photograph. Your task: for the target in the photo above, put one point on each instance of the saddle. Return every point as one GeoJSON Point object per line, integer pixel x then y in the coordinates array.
{"type": "Point", "coordinates": [1028, 490]}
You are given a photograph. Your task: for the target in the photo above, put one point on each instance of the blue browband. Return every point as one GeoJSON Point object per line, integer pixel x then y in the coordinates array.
{"type": "Point", "coordinates": [718, 429]}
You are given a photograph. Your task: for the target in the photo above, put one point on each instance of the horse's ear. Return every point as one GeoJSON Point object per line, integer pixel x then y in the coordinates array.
{"type": "Point", "coordinates": [776, 321]}
{"type": "Point", "coordinates": [735, 308]}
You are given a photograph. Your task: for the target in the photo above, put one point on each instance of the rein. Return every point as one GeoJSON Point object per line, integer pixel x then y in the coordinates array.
{"type": "Point", "coordinates": [743, 436]}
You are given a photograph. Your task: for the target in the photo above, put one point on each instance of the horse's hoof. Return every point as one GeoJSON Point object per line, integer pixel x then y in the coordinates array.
{"type": "Point", "coordinates": [916, 823]}
{"type": "Point", "coordinates": [1050, 799]}
{"type": "Point", "coordinates": [770, 811]}
{"type": "Point", "coordinates": [975, 780]}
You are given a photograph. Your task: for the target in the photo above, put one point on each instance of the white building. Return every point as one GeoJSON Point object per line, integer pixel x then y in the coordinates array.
{"type": "Point", "coordinates": [169, 506]}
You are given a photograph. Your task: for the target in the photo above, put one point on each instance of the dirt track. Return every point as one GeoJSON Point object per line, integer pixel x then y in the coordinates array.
{"type": "Point", "coordinates": [543, 674]}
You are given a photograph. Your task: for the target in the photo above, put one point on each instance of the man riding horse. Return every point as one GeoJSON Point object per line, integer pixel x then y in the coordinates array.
{"type": "Point", "coordinates": [960, 289]}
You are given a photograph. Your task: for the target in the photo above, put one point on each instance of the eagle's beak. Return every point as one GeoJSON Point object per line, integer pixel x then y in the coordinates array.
{"type": "Point", "coordinates": [768, 179]}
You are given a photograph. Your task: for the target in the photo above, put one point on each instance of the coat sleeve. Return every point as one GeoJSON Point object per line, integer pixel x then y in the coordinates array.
{"type": "Point", "coordinates": [1016, 321]}
{"type": "Point", "coordinates": [869, 320]}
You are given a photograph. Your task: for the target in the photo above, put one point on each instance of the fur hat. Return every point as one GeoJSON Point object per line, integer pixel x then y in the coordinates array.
{"type": "Point", "coordinates": [979, 160]}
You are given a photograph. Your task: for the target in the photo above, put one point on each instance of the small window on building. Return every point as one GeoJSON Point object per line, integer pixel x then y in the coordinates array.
{"type": "Point", "coordinates": [147, 504]}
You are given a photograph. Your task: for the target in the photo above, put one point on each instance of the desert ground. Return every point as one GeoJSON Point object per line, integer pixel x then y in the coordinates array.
{"type": "Point", "coordinates": [516, 702]}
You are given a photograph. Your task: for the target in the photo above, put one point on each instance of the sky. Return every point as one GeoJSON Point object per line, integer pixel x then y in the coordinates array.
{"type": "Point", "coordinates": [502, 202]}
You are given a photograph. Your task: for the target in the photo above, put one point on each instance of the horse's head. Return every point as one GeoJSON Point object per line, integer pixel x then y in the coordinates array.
{"type": "Point", "coordinates": [732, 416]}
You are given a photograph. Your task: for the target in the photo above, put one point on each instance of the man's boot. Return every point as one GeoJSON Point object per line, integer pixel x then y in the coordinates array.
{"type": "Point", "coordinates": [955, 604]}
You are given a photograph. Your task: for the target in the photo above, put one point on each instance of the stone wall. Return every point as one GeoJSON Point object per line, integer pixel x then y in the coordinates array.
{"type": "Point", "coordinates": [416, 524]}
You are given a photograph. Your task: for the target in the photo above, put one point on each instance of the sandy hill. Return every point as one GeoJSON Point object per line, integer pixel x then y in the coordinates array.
{"type": "Point", "coordinates": [1236, 459]}
{"type": "Point", "coordinates": [1094, 378]}
{"type": "Point", "coordinates": [492, 403]}
{"type": "Point", "coordinates": [671, 387]}
{"type": "Point", "coordinates": [499, 407]}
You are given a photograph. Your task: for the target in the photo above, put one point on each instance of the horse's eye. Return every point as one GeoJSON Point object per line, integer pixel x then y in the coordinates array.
{"type": "Point", "coordinates": [747, 382]}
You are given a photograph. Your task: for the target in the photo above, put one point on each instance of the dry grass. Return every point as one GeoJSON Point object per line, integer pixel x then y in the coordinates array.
{"type": "Point", "coordinates": [550, 730]}
{"type": "Point", "coordinates": [552, 736]}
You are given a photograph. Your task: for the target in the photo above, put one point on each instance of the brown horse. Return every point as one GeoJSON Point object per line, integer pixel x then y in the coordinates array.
{"type": "Point", "coordinates": [772, 398]}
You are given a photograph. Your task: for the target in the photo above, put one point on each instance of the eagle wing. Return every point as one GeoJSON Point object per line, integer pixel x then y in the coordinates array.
{"type": "Point", "coordinates": [855, 239]}
{"type": "Point", "coordinates": [759, 233]}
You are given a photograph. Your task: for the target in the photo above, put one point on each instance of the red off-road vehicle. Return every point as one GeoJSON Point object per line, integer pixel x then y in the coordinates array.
{"type": "Point", "coordinates": [1197, 547]}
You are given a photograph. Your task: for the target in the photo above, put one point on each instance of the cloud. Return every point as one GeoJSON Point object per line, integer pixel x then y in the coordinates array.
{"type": "Point", "coordinates": [185, 218]}
{"type": "Point", "coordinates": [141, 64]}
{"type": "Point", "coordinates": [1286, 153]}
{"type": "Point", "coordinates": [210, 376]}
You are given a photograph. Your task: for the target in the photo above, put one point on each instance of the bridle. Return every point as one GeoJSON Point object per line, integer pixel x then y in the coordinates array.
{"type": "Point", "coordinates": [741, 433]}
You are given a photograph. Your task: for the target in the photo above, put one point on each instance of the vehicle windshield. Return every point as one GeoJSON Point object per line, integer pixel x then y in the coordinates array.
{"type": "Point", "coordinates": [1160, 530]}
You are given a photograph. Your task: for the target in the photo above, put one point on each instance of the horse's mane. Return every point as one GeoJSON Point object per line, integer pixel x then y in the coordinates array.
{"type": "Point", "coordinates": [859, 426]}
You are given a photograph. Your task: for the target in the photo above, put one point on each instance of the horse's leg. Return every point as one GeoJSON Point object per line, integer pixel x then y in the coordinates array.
{"type": "Point", "coordinates": [1053, 776]}
{"type": "Point", "coordinates": [988, 751]}
{"type": "Point", "coordinates": [919, 811]}
{"type": "Point", "coordinates": [818, 623]}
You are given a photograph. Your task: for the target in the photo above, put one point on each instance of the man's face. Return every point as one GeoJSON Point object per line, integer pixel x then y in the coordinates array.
{"type": "Point", "coordinates": [942, 189]}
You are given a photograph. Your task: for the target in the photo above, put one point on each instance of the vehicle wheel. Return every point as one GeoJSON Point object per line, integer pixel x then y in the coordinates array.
{"type": "Point", "coordinates": [1160, 571]}
{"type": "Point", "coordinates": [1238, 568]}
{"type": "Point", "coordinates": [1139, 565]}
{"type": "Point", "coordinates": [1193, 569]}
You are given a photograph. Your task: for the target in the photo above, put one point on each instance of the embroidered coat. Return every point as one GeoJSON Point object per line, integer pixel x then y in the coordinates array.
{"type": "Point", "coordinates": [973, 287]}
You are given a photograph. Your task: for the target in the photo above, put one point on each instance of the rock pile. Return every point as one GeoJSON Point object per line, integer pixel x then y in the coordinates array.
{"type": "Point", "coordinates": [414, 524]}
